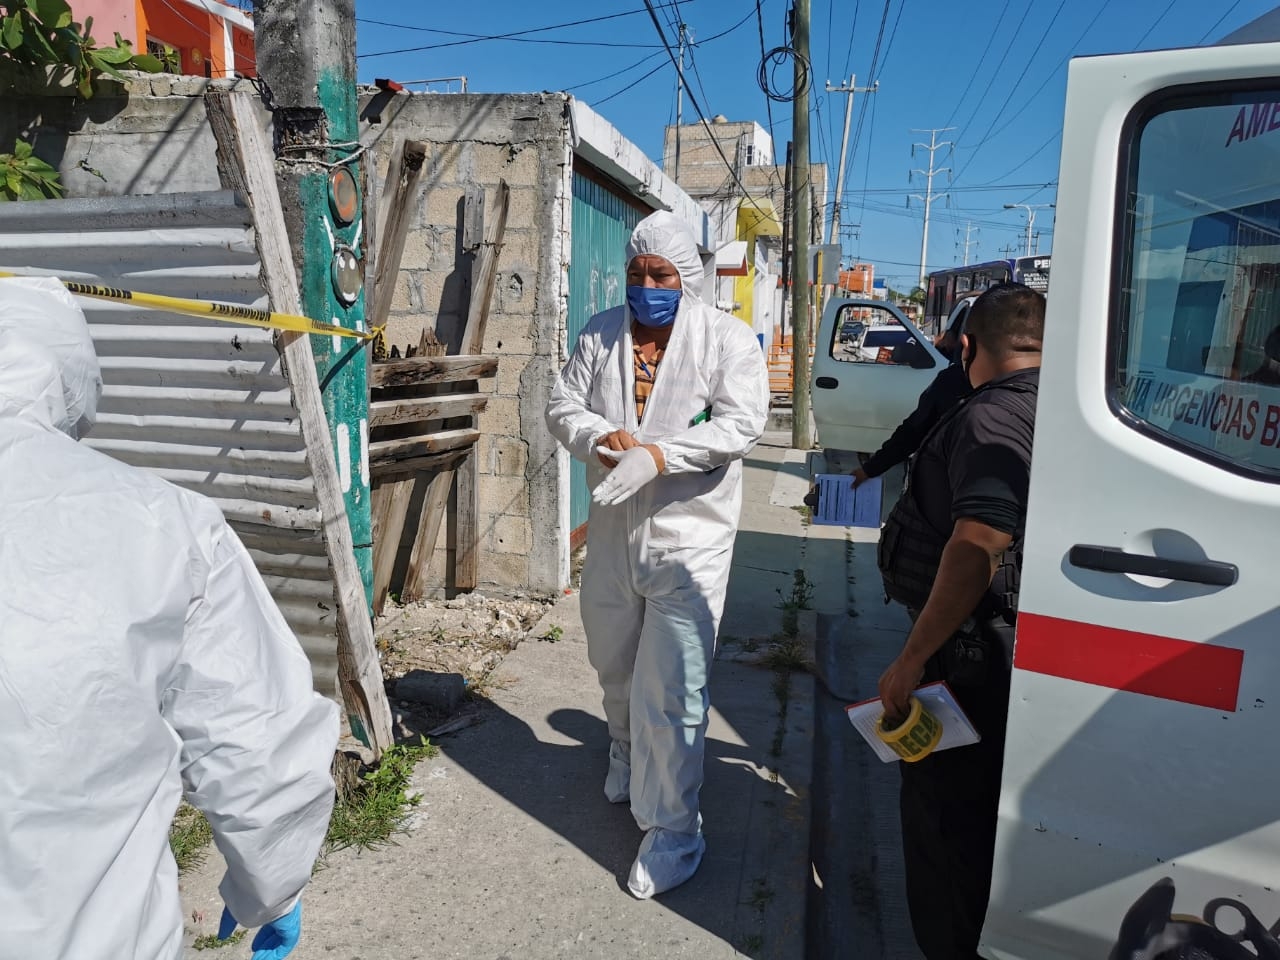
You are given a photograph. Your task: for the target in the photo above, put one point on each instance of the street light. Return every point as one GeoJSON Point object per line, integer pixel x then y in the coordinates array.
{"type": "Point", "coordinates": [1031, 209]}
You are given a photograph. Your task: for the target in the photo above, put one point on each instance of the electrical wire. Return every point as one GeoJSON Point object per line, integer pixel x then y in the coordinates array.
{"type": "Point", "coordinates": [873, 74]}
{"type": "Point", "coordinates": [1158, 21]}
{"type": "Point", "coordinates": [995, 117]}
{"type": "Point", "coordinates": [1026, 10]}
{"type": "Point", "coordinates": [630, 86]}
{"type": "Point", "coordinates": [502, 36]}
{"type": "Point", "coordinates": [1217, 23]}
{"type": "Point", "coordinates": [853, 32]}
{"type": "Point", "coordinates": [768, 107]}
{"type": "Point", "coordinates": [1015, 114]}
{"type": "Point", "coordinates": [976, 70]}
{"type": "Point", "coordinates": [657, 25]}
{"type": "Point", "coordinates": [769, 64]}
{"type": "Point", "coordinates": [726, 32]}
{"type": "Point", "coordinates": [616, 73]}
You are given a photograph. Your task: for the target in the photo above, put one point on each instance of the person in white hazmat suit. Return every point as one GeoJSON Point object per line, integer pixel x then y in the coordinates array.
{"type": "Point", "coordinates": [140, 655]}
{"type": "Point", "coordinates": [662, 398]}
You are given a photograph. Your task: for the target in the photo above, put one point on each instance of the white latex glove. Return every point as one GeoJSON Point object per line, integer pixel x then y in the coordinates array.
{"type": "Point", "coordinates": [635, 468]}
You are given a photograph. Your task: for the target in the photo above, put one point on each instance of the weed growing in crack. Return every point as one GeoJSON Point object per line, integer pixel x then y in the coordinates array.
{"type": "Point", "coordinates": [378, 805]}
{"type": "Point", "coordinates": [189, 837]}
{"type": "Point", "coordinates": [801, 593]}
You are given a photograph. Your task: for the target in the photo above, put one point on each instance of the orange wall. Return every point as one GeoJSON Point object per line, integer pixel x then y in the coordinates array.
{"type": "Point", "coordinates": [246, 58]}
{"type": "Point", "coordinates": [198, 35]}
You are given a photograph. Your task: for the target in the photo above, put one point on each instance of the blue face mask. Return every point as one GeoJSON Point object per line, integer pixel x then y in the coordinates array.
{"type": "Point", "coordinates": [653, 306]}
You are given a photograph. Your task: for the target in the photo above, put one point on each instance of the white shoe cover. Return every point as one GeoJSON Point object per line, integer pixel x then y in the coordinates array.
{"type": "Point", "coordinates": [666, 860]}
{"type": "Point", "coordinates": [617, 783]}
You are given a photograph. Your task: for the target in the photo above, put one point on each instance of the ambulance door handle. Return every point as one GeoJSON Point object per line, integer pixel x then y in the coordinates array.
{"type": "Point", "coordinates": [1114, 560]}
{"type": "Point", "coordinates": [826, 383]}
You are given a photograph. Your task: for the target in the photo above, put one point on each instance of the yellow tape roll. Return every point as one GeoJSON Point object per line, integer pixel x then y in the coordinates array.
{"type": "Point", "coordinates": [915, 738]}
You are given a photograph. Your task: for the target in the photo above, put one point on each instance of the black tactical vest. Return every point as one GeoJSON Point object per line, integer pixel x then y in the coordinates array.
{"type": "Point", "coordinates": [910, 550]}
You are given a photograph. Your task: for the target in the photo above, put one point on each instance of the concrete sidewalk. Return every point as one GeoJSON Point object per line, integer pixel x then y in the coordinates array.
{"type": "Point", "coordinates": [514, 851]}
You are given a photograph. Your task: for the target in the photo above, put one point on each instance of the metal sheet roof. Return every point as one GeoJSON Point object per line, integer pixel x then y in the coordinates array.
{"type": "Point", "coordinates": [202, 403]}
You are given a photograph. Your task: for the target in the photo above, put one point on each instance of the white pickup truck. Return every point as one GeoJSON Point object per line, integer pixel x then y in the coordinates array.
{"type": "Point", "coordinates": [870, 364]}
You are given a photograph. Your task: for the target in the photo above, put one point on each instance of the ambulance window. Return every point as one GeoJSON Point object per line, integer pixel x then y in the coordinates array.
{"type": "Point", "coordinates": [1196, 330]}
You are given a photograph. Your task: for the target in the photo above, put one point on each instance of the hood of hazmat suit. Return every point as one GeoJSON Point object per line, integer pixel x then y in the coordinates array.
{"type": "Point", "coordinates": [140, 657]}
{"type": "Point", "coordinates": [654, 589]}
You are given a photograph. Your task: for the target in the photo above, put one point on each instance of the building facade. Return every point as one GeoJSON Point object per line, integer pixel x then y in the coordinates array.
{"type": "Point", "coordinates": [577, 187]}
{"type": "Point", "coordinates": [208, 38]}
{"type": "Point", "coordinates": [734, 173]}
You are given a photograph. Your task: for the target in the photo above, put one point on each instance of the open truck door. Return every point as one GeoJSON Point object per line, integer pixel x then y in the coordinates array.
{"type": "Point", "coordinates": [1144, 722]}
{"type": "Point", "coordinates": [870, 365]}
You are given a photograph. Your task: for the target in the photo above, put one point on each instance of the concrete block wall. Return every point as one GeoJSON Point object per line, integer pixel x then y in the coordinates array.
{"type": "Point", "coordinates": [479, 140]}
{"type": "Point", "coordinates": [150, 135]}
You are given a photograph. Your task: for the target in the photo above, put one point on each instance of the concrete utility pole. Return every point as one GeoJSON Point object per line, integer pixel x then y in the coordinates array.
{"type": "Point", "coordinates": [787, 269]}
{"type": "Point", "coordinates": [833, 225]}
{"type": "Point", "coordinates": [306, 55]}
{"type": "Point", "coordinates": [968, 228]}
{"type": "Point", "coordinates": [933, 146]}
{"type": "Point", "coordinates": [800, 437]}
{"type": "Point", "coordinates": [1031, 209]}
{"type": "Point", "coordinates": [679, 103]}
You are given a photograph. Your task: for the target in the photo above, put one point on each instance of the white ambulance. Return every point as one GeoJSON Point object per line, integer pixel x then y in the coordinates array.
{"type": "Point", "coordinates": [1144, 723]}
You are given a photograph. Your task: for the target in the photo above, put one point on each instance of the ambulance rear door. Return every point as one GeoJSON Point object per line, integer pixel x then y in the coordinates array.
{"type": "Point", "coordinates": [1144, 724]}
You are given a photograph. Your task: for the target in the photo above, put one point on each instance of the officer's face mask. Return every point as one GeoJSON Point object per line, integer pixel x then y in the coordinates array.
{"type": "Point", "coordinates": [653, 306]}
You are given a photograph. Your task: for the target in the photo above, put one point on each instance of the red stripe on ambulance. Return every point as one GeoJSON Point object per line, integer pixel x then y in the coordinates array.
{"type": "Point", "coordinates": [1203, 674]}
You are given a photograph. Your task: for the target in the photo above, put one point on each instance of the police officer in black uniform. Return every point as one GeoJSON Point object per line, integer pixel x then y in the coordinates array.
{"type": "Point", "coordinates": [947, 389]}
{"type": "Point", "coordinates": [951, 552]}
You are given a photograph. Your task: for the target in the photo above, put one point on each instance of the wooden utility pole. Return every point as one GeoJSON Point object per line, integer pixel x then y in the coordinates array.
{"type": "Point", "coordinates": [800, 276]}
{"type": "Point", "coordinates": [306, 58]}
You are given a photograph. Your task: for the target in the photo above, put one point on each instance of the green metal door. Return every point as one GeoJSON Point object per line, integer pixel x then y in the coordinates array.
{"type": "Point", "coordinates": [602, 224]}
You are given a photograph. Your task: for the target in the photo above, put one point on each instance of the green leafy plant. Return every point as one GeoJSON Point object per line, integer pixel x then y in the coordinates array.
{"type": "Point", "coordinates": [189, 837]}
{"type": "Point", "coordinates": [45, 33]}
{"type": "Point", "coordinates": [24, 176]}
{"type": "Point", "coordinates": [210, 941]}
{"type": "Point", "coordinates": [378, 805]}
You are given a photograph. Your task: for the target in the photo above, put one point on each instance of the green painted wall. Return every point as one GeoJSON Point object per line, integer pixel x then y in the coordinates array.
{"type": "Point", "coordinates": [601, 226]}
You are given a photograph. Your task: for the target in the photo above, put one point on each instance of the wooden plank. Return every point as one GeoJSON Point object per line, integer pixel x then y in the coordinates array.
{"type": "Point", "coordinates": [246, 162]}
{"type": "Point", "coordinates": [387, 413]}
{"type": "Point", "coordinates": [386, 451]}
{"type": "Point", "coordinates": [424, 545]}
{"type": "Point", "coordinates": [397, 204]}
{"type": "Point", "coordinates": [467, 524]}
{"type": "Point", "coordinates": [484, 276]}
{"type": "Point", "coordinates": [391, 503]}
{"type": "Point", "coordinates": [399, 469]}
{"type": "Point", "coordinates": [404, 373]}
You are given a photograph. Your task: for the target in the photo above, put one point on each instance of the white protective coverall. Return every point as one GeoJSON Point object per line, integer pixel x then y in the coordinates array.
{"type": "Point", "coordinates": [653, 588]}
{"type": "Point", "coordinates": [139, 652]}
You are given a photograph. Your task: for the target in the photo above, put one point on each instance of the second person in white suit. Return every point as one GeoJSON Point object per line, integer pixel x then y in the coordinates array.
{"type": "Point", "coordinates": [662, 398]}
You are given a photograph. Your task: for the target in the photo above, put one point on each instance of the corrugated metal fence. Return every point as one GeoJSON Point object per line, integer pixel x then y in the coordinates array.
{"type": "Point", "coordinates": [602, 225]}
{"type": "Point", "coordinates": [202, 403]}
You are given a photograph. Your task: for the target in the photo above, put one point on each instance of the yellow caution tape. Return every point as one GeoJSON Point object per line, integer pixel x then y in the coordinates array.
{"type": "Point", "coordinates": [914, 738]}
{"type": "Point", "coordinates": [230, 312]}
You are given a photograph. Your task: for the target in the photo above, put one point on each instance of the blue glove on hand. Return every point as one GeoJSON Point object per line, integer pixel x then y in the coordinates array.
{"type": "Point", "coordinates": [275, 940]}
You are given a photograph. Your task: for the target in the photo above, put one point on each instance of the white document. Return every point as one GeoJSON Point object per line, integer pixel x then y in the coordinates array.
{"type": "Point", "coordinates": [938, 699]}
{"type": "Point", "coordinates": [840, 505]}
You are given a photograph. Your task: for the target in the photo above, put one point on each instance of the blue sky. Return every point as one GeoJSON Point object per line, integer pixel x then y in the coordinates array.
{"type": "Point", "coordinates": [993, 69]}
